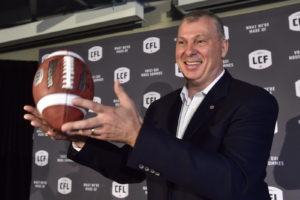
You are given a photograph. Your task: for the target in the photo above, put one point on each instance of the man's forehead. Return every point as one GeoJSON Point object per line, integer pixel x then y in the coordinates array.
{"type": "Point", "coordinates": [201, 26]}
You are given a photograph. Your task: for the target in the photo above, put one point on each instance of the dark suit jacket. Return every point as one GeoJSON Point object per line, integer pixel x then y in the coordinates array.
{"type": "Point", "coordinates": [222, 156]}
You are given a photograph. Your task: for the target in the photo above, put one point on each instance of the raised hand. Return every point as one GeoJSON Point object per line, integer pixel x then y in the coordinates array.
{"type": "Point", "coordinates": [120, 124]}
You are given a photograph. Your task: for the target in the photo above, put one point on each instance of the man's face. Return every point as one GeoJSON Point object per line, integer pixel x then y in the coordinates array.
{"type": "Point", "coordinates": [199, 51]}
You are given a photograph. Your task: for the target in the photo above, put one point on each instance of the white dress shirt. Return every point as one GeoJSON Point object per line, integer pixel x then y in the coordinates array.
{"type": "Point", "coordinates": [189, 106]}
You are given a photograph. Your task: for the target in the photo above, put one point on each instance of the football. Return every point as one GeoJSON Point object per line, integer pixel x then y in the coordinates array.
{"type": "Point", "coordinates": [61, 77]}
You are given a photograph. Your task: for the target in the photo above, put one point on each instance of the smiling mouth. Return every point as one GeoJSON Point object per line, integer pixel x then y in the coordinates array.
{"type": "Point", "coordinates": [193, 63]}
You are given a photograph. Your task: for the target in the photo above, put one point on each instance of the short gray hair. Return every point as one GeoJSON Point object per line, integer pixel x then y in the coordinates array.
{"type": "Point", "coordinates": [196, 15]}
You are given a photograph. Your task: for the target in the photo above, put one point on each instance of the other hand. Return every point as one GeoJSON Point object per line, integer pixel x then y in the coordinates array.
{"type": "Point", "coordinates": [37, 121]}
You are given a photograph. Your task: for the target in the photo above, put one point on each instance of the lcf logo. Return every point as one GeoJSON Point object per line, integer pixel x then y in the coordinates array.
{"type": "Point", "coordinates": [260, 59]}
{"type": "Point", "coordinates": [149, 98]}
{"type": "Point", "coordinates": [64, 185]}
{"type": "Point", "coordinates": [122, 74]}
{"type": "Point", "coordinates": [294, 21]}
{"type": "Point", "coordinates": [120, 190]}
{"type": "Point", "coordinates": [151, 45]}
{"type": "Point", "coordinates": [41, 158]}
{"type": "Point", "coordinates": [95, 53]}
{"type": "Point", "coordinates": [275, 193]}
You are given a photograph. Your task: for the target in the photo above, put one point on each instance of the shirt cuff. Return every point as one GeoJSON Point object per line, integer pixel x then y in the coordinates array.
{"type": "Point", "coordinates": [76, 147]}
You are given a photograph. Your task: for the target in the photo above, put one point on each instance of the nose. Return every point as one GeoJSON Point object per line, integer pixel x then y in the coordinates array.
{"type": "Point", "coordinates": [190, 50]}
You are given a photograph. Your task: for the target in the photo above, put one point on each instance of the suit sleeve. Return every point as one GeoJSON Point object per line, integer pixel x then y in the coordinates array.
{"type": "Point", "coordinates": [107, 159]}
{"type": "Point", "coordinates": [244, 141]}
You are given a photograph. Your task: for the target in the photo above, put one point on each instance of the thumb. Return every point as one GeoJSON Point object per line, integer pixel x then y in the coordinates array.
{"type": "Point", "coordinates": [121, 94]}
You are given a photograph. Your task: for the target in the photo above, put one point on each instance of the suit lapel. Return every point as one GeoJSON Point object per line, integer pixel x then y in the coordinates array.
{"type": "Point", "coordinates": [174, 113]}
{"type": "Point", "coordinates": [209, 105]}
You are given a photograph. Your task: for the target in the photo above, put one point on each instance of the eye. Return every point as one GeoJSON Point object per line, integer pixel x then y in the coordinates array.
{"type": "Point", "coordinates": [180, 42]}
{"type": "Point", "coordinates": [201, 42]}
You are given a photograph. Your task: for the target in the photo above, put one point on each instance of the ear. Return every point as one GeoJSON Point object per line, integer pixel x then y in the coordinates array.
{"type": "Point", "coordinates": [225, 46]}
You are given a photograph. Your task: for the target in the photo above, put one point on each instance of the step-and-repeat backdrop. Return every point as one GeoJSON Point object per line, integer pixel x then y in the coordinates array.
{"type": "Point", "coordinates": [264, 50]}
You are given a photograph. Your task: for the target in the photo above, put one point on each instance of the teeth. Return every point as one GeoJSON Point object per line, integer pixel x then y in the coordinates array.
{"type": "Point", "coordinates": [194, 63]}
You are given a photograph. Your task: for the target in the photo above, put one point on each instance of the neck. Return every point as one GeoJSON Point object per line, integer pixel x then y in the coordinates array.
{"type": "Point", "coordinates": [195, 87]}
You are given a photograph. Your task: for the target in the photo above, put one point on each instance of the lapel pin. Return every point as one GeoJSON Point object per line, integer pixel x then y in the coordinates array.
{"type": "Point", "coordinates": [211, 107]}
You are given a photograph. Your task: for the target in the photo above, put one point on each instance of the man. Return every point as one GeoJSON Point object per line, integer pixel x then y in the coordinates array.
{"type": "Point", "coordinates": [208, 141]}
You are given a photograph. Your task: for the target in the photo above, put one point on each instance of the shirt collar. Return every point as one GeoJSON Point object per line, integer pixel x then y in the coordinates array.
{"type": "Point", "coordinates": [184, 92]}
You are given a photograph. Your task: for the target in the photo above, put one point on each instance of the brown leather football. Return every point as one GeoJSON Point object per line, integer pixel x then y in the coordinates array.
{"type": "Point", "coordinates": [61, 77]}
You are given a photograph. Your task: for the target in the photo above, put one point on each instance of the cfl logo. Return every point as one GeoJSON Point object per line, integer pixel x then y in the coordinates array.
{"type": "Point", "coordinates": [226, 32]}
{"type": "Point", "coordinates": [178, 72]}
{"type": "Point", "coordinates": [151, 45]}
{"type": "Point", "coordinates": [41, 158]}
{"type": "Point", "coordinates": [260, 59]}
{"type": "Point", "coordinates": [275, 193]}
{"type": "Point", "coordinates": [64, 185]}
{"type": "Point", "coordinates": [122, 74]}
{"type": "Point", "coordinates": [95, 53]}
{"type": "Point", "coordinates": [294, 21]}
{"type": "Point", "coordinates": [149, 98]}
{"type": "Point", "coordinates": [297, 87]}
{"type": "Point", "coordinates": [120, 190]}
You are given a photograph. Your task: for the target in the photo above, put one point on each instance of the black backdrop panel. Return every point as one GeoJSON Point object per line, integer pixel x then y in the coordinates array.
{"type": "Point", "coordinates": [264, 50]}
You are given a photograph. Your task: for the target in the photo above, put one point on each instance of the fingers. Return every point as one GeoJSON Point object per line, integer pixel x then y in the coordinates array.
{"type": "Point", "coordinates": [53, 134]}
{"type": "Point", "coordinates": [36, 119]}
{"type": "Point", "coordinates": [28, 108]}
{"type": "Point", "coordinates": [81, 124]}
{"type": "Point", "coordinates": [32, 110]}
{"type": "Point", "coordinates": [121, 94]}
{"type": "Point", "coordinates": [33, 115]}
{"type": "Point", "coordinates": [92, 133]}
{"type": "Point", "coordinates": [89, 104]}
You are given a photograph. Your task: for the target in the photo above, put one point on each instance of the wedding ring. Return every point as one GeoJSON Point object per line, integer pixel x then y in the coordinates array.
{"type": "Point", "coordinates": [92, 131]}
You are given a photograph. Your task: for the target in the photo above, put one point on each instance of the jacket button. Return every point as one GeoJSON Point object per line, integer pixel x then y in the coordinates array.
{"type": "Point", "coordinates": [157, 173]}
{"type": "Point", "coordinates": [141, 166]}
{"type": "Point", "coordinates": [147, 169]}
